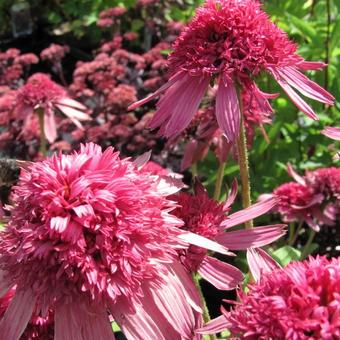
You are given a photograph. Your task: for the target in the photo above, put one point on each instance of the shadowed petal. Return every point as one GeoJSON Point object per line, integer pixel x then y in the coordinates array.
{"type": "Point", "coordinates": [228, 113]}
{"type": "Point", "coordinates": [66, 326]}
{"type": "Point", "coordinates": [260, 262]}
{"type": "Point", "coordinates": [50, 126]}
{"type": "Point", "coordinates": [220, 274]}
{"type": "Point", "coordinates": [247, 238]}
{"type": "Point", "coordinates": [17, 315]}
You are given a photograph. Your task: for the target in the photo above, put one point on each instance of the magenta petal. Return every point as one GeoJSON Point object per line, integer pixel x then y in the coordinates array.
{"type": "Point", "coordinates": [304, 85]}
{"type": "Point", "coordinates": [220, 274]}
{"type": "Point", "coordinates": [250, 213]}
{"type": "Point", "coordinates": [50, 126]}
{"type": "Point", "coordinates": [332, 132]}
{"type": "Point", "coordinates": [170, 82]}
{"type": "Point", "coordinates": [203, 242]}
{"type": "Point", "coordinates": [247, 238]}
{"type": "Point", "coordinates": [311, 65]}
{"type": "Point", "coordinates": [231, 197]}
{"type": "Point", "coordinates": [216, 325]}
{"type": "Point", "coordinates": [17, 315]}
{"type": "Point", "coordinates": [228, 113]}
{"type": "Point", "coordinates": [5, 284]}
{"type": "Point", "coordinates": [66, 326]}
{"type": "Point", "coordinates": [260, 262]}
{"type": "Point", "coordinates": [188, 155]}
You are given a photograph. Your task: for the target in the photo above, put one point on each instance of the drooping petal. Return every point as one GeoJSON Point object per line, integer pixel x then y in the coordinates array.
{"type": "Point", "coordinates": [74, 114]}
{"type": "Point", "coordinates": [311, 65]}
{"type": "Point", "coordinates": [260, 262]}
{"type": "Point", "coordinates": [95, 324]}
{"type": "Point", "coordinates": [5, 283]}
{"type": "Point", "coordinates": [220, 274]}
{"type": "Point", "coordinates": [232, 195]}
{"type": "Point", "coordinates": [72, 103]}
{"type": "Point", "coordinates": [66, 326]}
{"type": "Point", "coordinates": [297, 100]}
{"type": "Point", "coordinates": [172, 303]}
{"type": "Point", "coordinates": [50, 126]}
{"type": "Point", "coordinates": [216, 325]}
{"type": "Point", "coordinates": [250, 213]}
{"type": "Point", "coordinates": [184, 104]}
{"type": "Point", "coordinates": [247, 238]}
{"type": "Point", "coordinates": [170, 82]}
{"type": "Point", "coordinates": [203, 242]}
{"type": "Point", "coordinates": [304, 85]}
{"type": "Point", "coordinates": [332, 132]}
{"type": "Point", "coordinates": [142, 159]}
{"type": "Point", "coordinates": [188, 155]}
{"type": "Point", "coordinates": [17, 314]}
{"type": "Point", "coordinates": [292, 173]}
{"type": "Point", "coordinates": [228, 113]}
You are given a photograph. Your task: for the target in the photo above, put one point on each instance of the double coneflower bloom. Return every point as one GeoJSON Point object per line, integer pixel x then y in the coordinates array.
{"type": "Point", "coordinates": [230, 42]}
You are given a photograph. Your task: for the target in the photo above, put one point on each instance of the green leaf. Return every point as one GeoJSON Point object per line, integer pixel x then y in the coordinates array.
{"type": "Point", "coordinates": [286, 254]}
{"type": "Point", "coordinates": [115, 327]}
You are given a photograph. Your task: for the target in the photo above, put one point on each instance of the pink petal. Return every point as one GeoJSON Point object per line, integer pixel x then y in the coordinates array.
{"type": "Point", "coordinates": [303, 84]}
{"type": "Point", "coordinates": [141, 160]}
{"type": "Point", "coordinates": [311, 65]}
{"type": "Point", "coordinates": [59, 223]}
{"type": "Point", "coordinates": [50, 126]}
{"type": "Point", "coordinates": [188, 155]}
{"type": "Point", "coordinates": [66, 322]}
{"type": "Point", "coordinates": [292, 173]}
{"type": "Point", "coordinates": [5, 284]}
{"type": "Point", "coordinates": [220, 274]}
{"type": "Point", "coordinates": [171, 81]}
{"type": "Point", "coordinates": [215, 326]}
{"type": "Point", "coordinates": [17, 315]}
{"type": "Point", "coordinates": [250, 213]}
{"type": "Point", "coordinates": [332, 132]}
{"type": "Point", "coordinates": [260, 262]}
{"type": "Point", "coordinates": [227, 109]}
{"type": "Point", "coordinates": [247, 238]}
{"type": "Point", "coordinates": [72, 103]}
{"type": "Point", "coordinates": [182, 104]}
{"type": "Point", "coordinates": [95, 324]}
{"type": "Point", "coordinates": [232, 195]}
{"type": "Point", "coordinates": [203, 242]}
{"type": "Point", "coordinates": [297, 100]}
{"type": "Point", "coordinates": [172, 303]}
{"type": "Point", "coordinates": [73, 114]}
{"type": "Point", "coordinates": [146, 322]}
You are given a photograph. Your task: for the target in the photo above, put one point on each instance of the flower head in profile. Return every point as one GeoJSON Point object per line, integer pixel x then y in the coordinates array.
{"type": "Point", "coordinates": [230, 41]}
{"type": "Point", "coordinates": [300, 301]}
{"type": "Point", "coordinates": [208, 218]}
{"type": "Point", "coordinates": [90, 234]}
{"type": "Point", "coordinates": [41, 93]}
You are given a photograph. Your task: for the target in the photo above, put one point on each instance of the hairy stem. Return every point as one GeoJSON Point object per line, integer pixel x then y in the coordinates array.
{"type": "Point", "coordinates": [43, 148]}
{"type": "Point", "coordinates": [206, 315]}
{"type": "Point", "coordinates": [219, 181]}
{"type": "Point", "coordinates": [244, 165]}
{"type": "Point", "coordinates": [296, 234]}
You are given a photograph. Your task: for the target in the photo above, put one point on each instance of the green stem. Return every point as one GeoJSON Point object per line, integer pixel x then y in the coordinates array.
{"type": "Point", "coordinates": [219, 181]}
{"type": "Point", "coordinates": [304, 252]}
{"type": "Point", "coordinates": [43, 148]}
{"type": "Point", "coordinates": [206, 315]}
{"type": "Point", "coordinates": [291, 232]}
{"type": "Point", "coordinates": [244, 164]}
{"type": "Point", "coordinates": [297, 232]}
{"type": "Point", "coordinates": [194, 170]}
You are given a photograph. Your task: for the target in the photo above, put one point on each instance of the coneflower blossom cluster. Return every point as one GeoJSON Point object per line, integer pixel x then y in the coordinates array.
{"type": "Point", "coordinates": [313, 198]}
{"type": "Point", "coordinates": [54, 53]}
{"type": "Point", "coordinates": [300, 301]}
{"type": "Point", "coordinates": [40, 92]}
{"type": "Point", "coordinates": [230, 41]}
{"type": "Point", "coordinates": [206, 217]}
{"type": "Point", "coordinates": [91, 233]}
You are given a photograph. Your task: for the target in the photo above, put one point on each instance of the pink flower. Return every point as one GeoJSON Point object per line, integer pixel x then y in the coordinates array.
{"type": "Point", "coordinates": [206, 217]}
{"type": "Point", "coordinates": [231, 41]}
{"type": "Point", "coordinates": [54, 53]}
{"type": "Point", "coordinates": [91, 234]}
{"type": "Point", "coordinates": [300, 301]}
{"type": "Point", "coordinates": [40, 92]}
